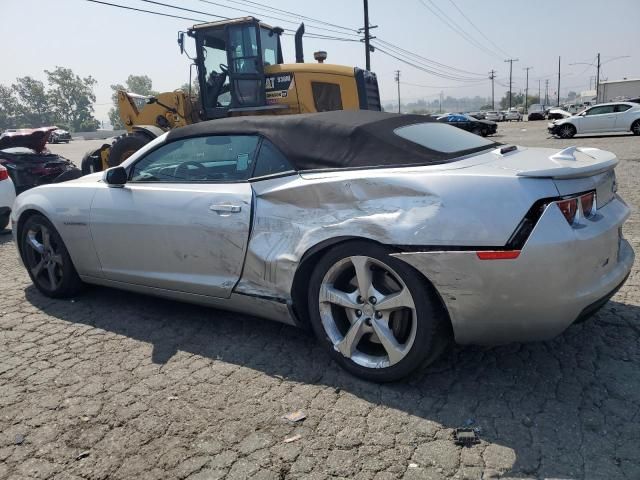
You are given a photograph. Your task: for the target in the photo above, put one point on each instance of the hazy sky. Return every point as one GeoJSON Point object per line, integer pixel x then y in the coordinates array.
{"type": "Point", "coordinates": [110, 43]}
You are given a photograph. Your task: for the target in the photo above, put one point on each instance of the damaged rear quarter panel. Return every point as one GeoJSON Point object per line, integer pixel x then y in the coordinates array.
{"type": "Point", "coordinates": [417, 206]}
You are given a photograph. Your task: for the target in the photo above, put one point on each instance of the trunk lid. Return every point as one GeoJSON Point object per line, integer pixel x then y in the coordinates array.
{"type": "Point", "coordinates": [33, 138]}
{"type": "Point", "coordinates": [573, 170]}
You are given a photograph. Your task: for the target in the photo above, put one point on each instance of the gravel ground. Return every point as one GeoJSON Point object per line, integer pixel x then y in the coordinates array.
{"type": "Point", "coordinates": [118, 385]}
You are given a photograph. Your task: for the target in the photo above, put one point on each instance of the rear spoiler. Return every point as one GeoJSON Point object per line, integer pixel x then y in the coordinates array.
{"type": "Point", "coordinates": [592, 162]}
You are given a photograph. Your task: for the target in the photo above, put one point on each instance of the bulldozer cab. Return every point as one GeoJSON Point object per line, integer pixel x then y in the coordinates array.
{"type": "Point", "coordinates": [231, 57]}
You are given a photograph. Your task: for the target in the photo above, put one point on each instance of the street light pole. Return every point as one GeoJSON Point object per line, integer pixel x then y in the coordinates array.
{"type": "Point", "coordinates": [526, 91]}
{"type": "Point", "coordinates": [398, 82]}
{"type": "Point", "coordinates": [492, 75]}
{"type": "Point", "coordinates": [598, 78]}
{"type": "Point", "coordinates": [510, 60]}
{"type": "Point", "coordinates": [558, 81]}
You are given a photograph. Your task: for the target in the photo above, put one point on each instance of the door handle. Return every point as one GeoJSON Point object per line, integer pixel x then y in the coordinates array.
{"type": "Point", "coordinates": [226, 208]}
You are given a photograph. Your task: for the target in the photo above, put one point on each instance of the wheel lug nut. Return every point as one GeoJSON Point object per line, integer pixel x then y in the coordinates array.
{"type": "Point", "coordinates": [367, 321]}
{"type": "Point", "coordinates": [360, 299]}
{"type": "Point", "coordinates": [378, 314]}
{"type": "Point", "coordinates": [372, 300]}
{"type": "Point", "coordinates": [358, 313]}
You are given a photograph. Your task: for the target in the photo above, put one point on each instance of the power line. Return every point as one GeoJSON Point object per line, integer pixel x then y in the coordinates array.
{"type": "Point", "coordinates": [288, 32]}
{"type": "Point", "coordinates": [425, 59]}
{"type": "Point", "coordinates": [184, 9]}
{"type": "Point", "coordinates": [292, 14]}
{"type": "Point", "coordinates": [455, 27]}
{"type": "Point", "coordinates": [272, 17]}
{"type": "Point", "coordinates": [423, 68]}
{"type": "Point", "coordinates": [478, 30]}
{"type": "Point", "coordinates": [145, 11]}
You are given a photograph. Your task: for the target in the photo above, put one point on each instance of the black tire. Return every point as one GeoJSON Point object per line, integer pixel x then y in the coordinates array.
{"type": "Point", "coordinates": [432, 327]}
{"type": "Point", "coordinates": [47, 261]}
{"type": "Point", "coordinates": [477, 131]}
{"type": "Point", "coordinates": [567, 131]}
{"type": "Point", "coordinates": [4, 220]}
{"type": "Point", "coordinates": [484, 132]}
{"type": "Point", "coordinates": [635, 127]}
{"type": "Point", "coordinates": [91, 162]}
{"type": "Point", "coordinates": [125, 146]}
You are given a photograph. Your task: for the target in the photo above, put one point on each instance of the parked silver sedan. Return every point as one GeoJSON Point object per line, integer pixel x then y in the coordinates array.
{"type": "Point", "coordinates": [387, 235]}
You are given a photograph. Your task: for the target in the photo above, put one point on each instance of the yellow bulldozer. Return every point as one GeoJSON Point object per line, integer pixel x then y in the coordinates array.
{"type": "Point", "coordinates": [240, 71]}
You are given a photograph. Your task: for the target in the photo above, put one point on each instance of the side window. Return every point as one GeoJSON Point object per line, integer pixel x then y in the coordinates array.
{"type": "Point", "coordinates": [622, 108]}
{"type": "Point", "coordinates": [271, 161]}
{"type": "Point", "coordinates": [600, 110]}
{"type": "Point", "coordinates": [220, 158]}
{"type": "Point", "coordinates": [326, 96]}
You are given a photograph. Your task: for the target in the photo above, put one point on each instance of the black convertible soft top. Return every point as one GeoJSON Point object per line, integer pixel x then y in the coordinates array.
{"type": "Point", "coordinates": [329, 140]}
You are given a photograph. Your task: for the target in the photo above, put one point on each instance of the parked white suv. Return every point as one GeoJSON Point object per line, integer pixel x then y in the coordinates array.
{"type": "Point", "coordinates": [606, 117]}
{"type": "Point", "coordinates": [512, 115]}
{"type": "Point", "coordinates": [7, 196]}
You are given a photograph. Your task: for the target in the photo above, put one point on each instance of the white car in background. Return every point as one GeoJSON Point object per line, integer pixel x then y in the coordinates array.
{"type": "Point", "coordinates": [512, 115]}
{"type": "Point", "coordinates": [603, 118]}
{"type": "Point", "coordinates": [7, 196]}
{"type": "Point", "coordinates": [494, 116]}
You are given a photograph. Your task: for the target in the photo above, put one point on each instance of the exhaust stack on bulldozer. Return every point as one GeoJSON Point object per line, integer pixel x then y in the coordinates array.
{"type": "Point", "coordinates": [240, 72]}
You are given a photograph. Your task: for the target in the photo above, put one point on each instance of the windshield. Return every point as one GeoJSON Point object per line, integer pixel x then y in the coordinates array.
{"type": "Point", "coordinates": [442, 138]}
{"type": "Point", "coordinates": [216, 81]}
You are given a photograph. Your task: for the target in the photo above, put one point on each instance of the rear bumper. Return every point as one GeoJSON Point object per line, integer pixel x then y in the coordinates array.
{"type": "Point", "coordinates": [561, 272]}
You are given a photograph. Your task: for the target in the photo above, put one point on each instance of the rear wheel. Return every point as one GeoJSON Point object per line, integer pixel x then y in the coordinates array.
{"type": "Point", "coordinates": [91, 162]}
{"type": "Point", "coordinates": [125, 146]}
{"type": "Point", "coordinates": [376, 316]}
{"type": "Point", "coordinates": [635, 128]}
{"type": "Point", "coordinates": [567, 131]}
{"type": "Point", "coordinates": [47, 259]}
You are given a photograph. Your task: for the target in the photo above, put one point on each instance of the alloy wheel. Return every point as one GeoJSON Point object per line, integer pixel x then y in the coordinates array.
{"type": "Point", "coordinates": [566, 132]}
{"type": "Point", "coordinates": [43, 258]}
{"type": "Point", "coordinates": [367, 312]}
{"type": "Point", "coordinates": [636, 128]}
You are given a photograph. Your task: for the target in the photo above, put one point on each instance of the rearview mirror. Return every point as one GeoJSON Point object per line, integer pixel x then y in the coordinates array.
{"type": "Point", "coordinates": [115, 177]}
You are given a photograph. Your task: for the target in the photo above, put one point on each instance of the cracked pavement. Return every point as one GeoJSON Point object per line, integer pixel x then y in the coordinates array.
{"type": "Point", "coordinates": [119, 385]}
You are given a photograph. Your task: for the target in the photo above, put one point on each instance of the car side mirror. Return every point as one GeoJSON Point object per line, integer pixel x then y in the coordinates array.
{"type": "Point", "coordinates": [115, 177]}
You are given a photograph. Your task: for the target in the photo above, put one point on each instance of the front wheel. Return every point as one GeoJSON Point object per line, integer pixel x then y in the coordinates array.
{"type": "Point", "coordinates": [635, 128]}
{"type": "Point", "coordinates": [376, 316]}
{"type": "Point", "coordinates": [567, 131]}
{"type": "Point", "coordinates": [47, 259]}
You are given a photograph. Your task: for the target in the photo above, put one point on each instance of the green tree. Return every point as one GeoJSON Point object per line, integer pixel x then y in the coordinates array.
{"type": "Point", "coordinates": [71, 99]}
{"type": "Point", "coordinates": [140, 84]}
{"type": "Point", "coordinates": [8, 107]}
{"type": "Point", "coordinates": [33, 109]}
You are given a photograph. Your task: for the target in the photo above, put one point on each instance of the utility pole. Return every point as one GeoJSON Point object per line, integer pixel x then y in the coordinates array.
{"type": "Point", "coordinates": [492, 75]}
{"type": "Point", "coordinates": [539, 92]}
{"type": "Point", "coordinates": [441, 93]}
{"type": "Point", "coordinates": [526, 91]}
{"type": "Point", "coordinates": [398, 82]}
{"type": "Point", "coordinates": [558, 81]}
{"type": "Point", "coordinates": [546, 92]}
{"type": "Point", "coordinates": [598, 78]}
{"type": "Point", "coordinates": [510, 60]}
{"type": "Point", "coordinates": [367, 37]}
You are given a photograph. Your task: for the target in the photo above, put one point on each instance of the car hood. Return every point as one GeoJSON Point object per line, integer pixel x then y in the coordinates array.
{"type": "Point", "coordinates": [34, 138]}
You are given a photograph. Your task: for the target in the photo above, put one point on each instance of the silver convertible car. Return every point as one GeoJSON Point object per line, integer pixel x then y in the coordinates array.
{"type": "Point", "coordinates": [387, 235]}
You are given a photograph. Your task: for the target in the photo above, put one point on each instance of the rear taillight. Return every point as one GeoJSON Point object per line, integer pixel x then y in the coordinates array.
{"type": "Point", "coordinates": [588, 202]}
{"type": "Point", "coordinates": [585, 203]}
{"type": "Point", "coordinates": [569, 208]}
{"type": "Point", "coordinates": [4, 174]}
